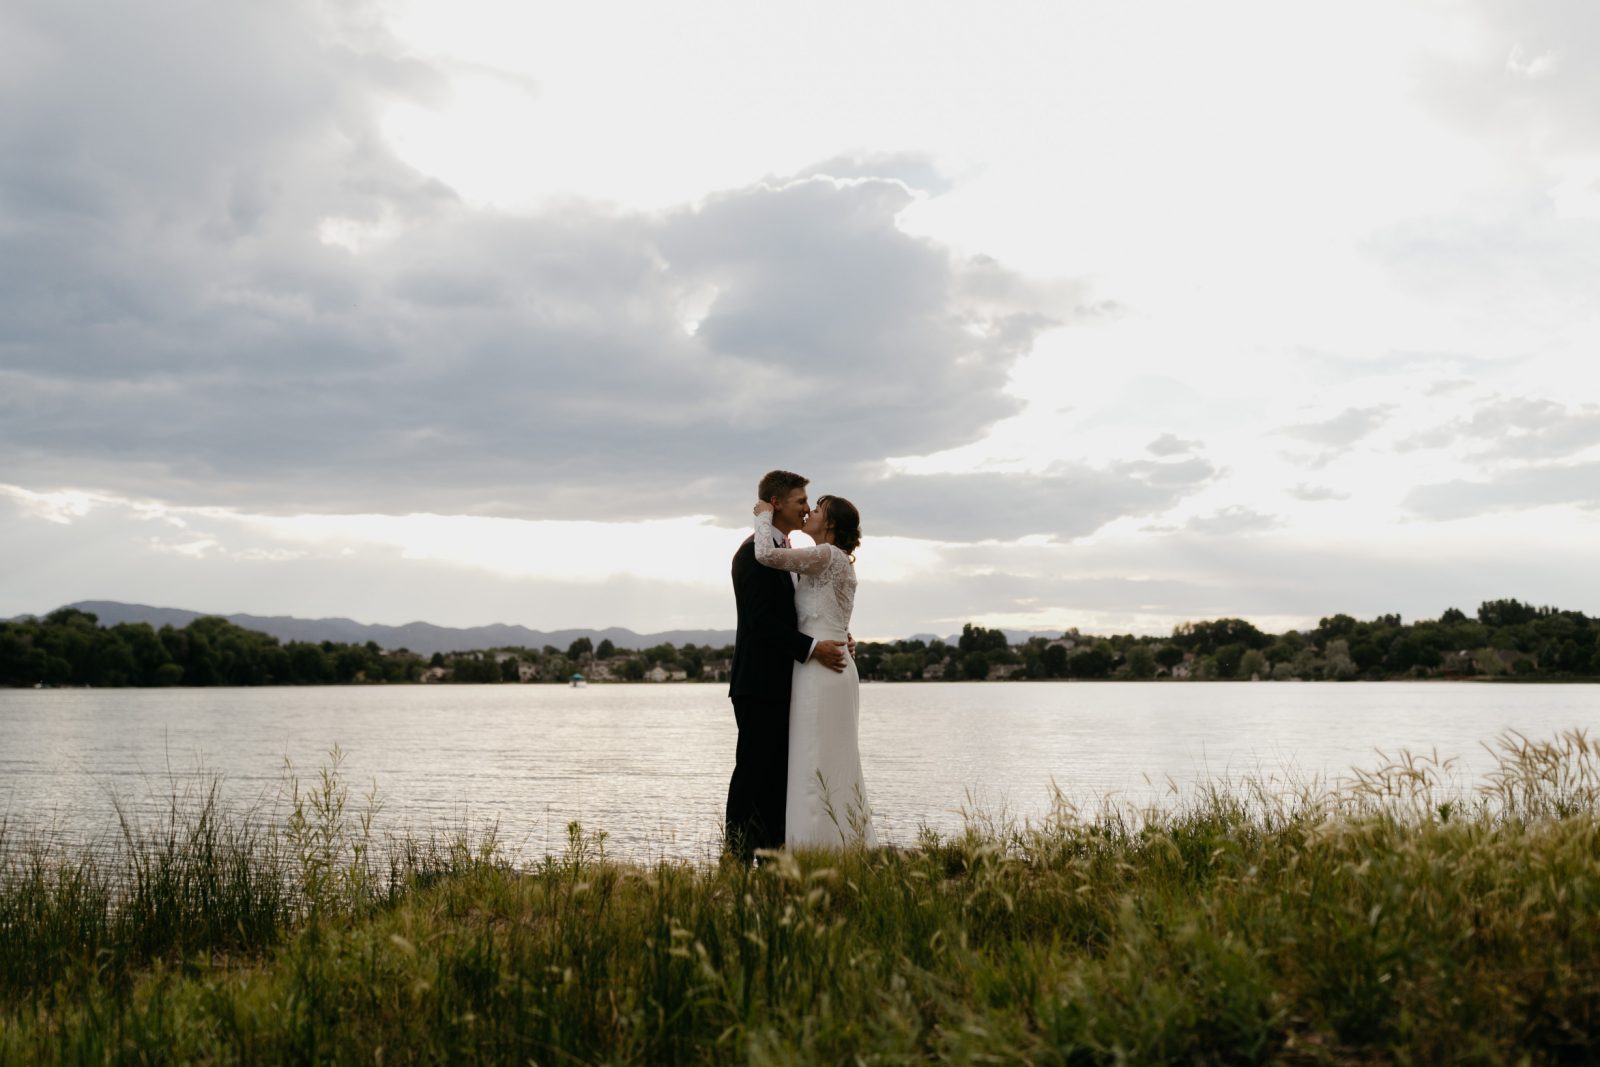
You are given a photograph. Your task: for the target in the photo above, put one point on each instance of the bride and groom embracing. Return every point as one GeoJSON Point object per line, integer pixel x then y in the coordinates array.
{"type": "Point", "coordinates": [797, 770]}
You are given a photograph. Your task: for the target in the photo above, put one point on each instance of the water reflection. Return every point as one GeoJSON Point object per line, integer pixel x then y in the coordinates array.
{"type": "Point", "coordinates": [649, 764]}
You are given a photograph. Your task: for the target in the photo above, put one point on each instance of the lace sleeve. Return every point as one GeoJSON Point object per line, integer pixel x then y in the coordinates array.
{"type": "Point", "coordinates": [811, 561]}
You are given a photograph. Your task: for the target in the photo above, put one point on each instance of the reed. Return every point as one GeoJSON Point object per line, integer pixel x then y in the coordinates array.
{"type": "Point", "coordinates": [1396, 918]}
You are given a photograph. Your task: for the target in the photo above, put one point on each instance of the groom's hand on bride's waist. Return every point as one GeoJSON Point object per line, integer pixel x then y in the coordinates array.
{"type": "Point", "coordinates": [830, 654]}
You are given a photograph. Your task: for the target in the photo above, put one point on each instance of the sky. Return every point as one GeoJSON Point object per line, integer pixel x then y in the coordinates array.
{"type": "Point", "coordinates": [1105, 315]}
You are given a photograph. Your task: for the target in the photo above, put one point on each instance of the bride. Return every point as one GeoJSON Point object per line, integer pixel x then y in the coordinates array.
{"type": "Point", "coordinates": [826, 805]}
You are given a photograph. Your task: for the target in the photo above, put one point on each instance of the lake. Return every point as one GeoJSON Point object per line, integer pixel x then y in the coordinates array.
{"type": "Point", "coordinates": [649, 764]}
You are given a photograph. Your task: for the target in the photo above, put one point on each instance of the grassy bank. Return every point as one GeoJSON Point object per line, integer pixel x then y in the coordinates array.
{"type": "Point", "coordinates": [1381, 922]}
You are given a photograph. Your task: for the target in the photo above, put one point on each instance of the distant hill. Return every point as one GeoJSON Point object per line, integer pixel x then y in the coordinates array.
{"type": "Point", "coordinates": [1015, 637]}
{"type": "Point", "coordinates": [426, 638]}
{"type": "Point", "coordinates": [422, 637]}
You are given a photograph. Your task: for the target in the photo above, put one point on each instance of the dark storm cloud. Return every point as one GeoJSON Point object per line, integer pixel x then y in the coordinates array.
{"type": "Point", "coordinates": [1064, 502]}
{"type": "Point", "coordinates": [172, 322]}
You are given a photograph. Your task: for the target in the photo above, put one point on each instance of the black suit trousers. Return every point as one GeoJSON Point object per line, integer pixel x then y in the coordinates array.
{"type": "Point", "coordinates": [758, 788]}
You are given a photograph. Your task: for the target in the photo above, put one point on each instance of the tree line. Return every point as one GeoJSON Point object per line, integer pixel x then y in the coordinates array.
{"type": "Point", "coordinates": [69, 647]}
{"type": "Point", "coordinates": [1506, 638]}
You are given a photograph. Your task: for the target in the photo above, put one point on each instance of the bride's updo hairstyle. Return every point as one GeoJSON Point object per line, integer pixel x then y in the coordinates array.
{"type": "Point", "coordinates": [846, 523]}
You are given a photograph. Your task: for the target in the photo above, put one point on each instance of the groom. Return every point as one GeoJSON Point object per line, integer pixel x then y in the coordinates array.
{"type": "Point", "coordinates": [767, 646]}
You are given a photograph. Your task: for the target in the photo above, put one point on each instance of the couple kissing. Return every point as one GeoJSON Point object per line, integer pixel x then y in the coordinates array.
{"type": "Point", "coordinates": [796, 694]}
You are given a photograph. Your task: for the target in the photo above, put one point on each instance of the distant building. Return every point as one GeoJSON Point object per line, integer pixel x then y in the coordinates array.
{"type": "Point", "coordinates": [933, 672]}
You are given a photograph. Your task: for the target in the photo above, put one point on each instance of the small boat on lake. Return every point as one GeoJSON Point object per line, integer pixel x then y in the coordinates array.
{"type": "Point", "coordinates": [578, 681]}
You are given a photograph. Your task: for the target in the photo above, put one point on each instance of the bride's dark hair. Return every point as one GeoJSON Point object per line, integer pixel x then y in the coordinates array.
{"type": "Point", "coordinates": [846, 523]}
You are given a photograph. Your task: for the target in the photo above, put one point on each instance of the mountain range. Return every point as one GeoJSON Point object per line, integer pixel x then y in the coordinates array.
{"type": "Point", "coordinates": [425, 637]}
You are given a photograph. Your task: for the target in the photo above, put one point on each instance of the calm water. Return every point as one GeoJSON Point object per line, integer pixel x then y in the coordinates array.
{"type": "Point", "coordinates": [649, 763]}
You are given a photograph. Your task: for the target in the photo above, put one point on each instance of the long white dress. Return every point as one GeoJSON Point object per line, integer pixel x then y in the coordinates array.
{"type": "Point", "coordinates": [827, 798]}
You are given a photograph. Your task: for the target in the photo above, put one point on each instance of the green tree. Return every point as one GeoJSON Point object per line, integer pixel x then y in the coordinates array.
{"type": "Point", "coordinates": [1228, 658]}
{"type": "Point", "coordinates": [1169, 656]}
{"type": "Point", "coordinates": [308, 664]}
{"type": "Point", "coordinates": [664, 654]}
{"type": "Point", "coordinates": [1497, 613]}
{"type": "Point", "coordinates": [1338, 664]}
{"type": "Point", "coordinates": [1573, 658]}
{"type": "Point", "coordinates": [1092, 662]}
{"type": "Point", "coordinates": [1141, 661]}
{"type": "Point", "coordinates": [1206, 637]}
{"type": "Point", "coordinates": [1332, 628]}
{"type": "Point", "coordinates": [1366, 653]}
{"type": "Point", "coordinates": [692, 662]}
{"type": "Point", "coordinates": [1253, 664]}
{"type": "Point", "coordinates": [903, 666]}
{"type": "Point", "coordinates": [978, 639]}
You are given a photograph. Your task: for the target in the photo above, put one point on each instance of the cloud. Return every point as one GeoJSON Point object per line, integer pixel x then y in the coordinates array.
{"type": "Point", "coordinates": [123, 550]}
{"type": "Point", "coordinates": [1277, 579]}
{"type": "Point", "coordinates": [1343, 429]}
{"type": "Point", "coordinates": [1509, 490]}
{"type": "Point", "coordinates": [916, 170]}
{"type": "Point", "coordinates": [1315, 493]}
{"type": "Point", "coordinates": [1517, 428]}
{"type": "Point", "coordinates": [1066, 501]}
{"type": "Point", "coordinates": [222, 287]}
{"type": "Point", "coordinates": [1231, 521]}
{"type": "Point", "coordinates": [1521, 79]}
{"type": "Point", "coordinates": [1169, 444]}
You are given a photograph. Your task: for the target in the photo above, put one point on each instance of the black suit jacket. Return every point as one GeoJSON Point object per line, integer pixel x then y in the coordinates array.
{"type": "Point", "coordinates": [768, 639]}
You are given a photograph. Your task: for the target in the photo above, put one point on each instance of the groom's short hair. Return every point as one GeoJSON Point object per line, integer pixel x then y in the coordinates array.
{"type": "Point", "coordinates": [779, 484]}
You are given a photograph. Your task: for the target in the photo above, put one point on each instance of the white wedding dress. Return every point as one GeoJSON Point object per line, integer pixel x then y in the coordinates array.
{"type": "Point", "coordinates": [827, 798]}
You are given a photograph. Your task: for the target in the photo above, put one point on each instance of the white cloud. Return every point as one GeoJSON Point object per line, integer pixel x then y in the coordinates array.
{"type": "Point", "coordinates": [1315, 493]}
{"type": "Point", "coordinates": [1514, 489]}
{"type": "Point", "coordinates": [1343, 429]}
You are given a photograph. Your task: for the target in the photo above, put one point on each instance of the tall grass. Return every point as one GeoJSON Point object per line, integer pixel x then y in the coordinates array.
{"type": "Point", "coordinates": [1395, 919]}
{"type": "Point", "coordinates": [201, 882]}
